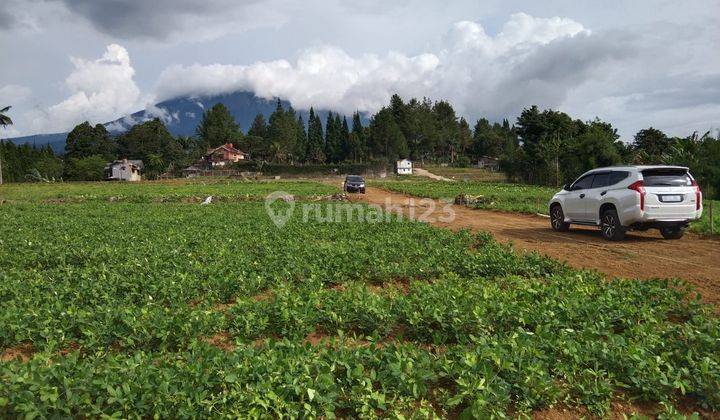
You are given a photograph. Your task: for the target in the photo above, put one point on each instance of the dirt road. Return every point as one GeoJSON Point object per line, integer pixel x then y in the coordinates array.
{"type": "Point", "coordinates": [642, 255]}
{"type": "Point", "coordinates": [423, 172]}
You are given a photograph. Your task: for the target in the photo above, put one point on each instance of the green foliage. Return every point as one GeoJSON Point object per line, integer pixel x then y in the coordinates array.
{"type": "Point", "coordinates": [284, 142]}
{"type": "Point", "coordinates": [490, 139]}
{"type": "Point", "coordinates": [258, 127]}
{"type": "Point", "coordinates": [218, 127]}
{"type": "Point", "coordinates": [90, 168]}
{"type": "Point", "coordinates": [335, 140]}
{"type": "Point", "coordinates": [701, 154]}
{"type": "Point", "coordinates": [357, 140]}
{"type": "Point", "coordinates": [315, 143]}
{"type": "Point", "coordinates": [85, 140]}
{"type": "Point", "coordinates": [4, 119]}
{"type": "Point", "coordinates": [328, 319]}
{"type": "Point", "coordinates": [152, 143]}
{"type": "Point", "coordinates": [556, 149]}
{"type": "Point", "coordinates": [310, 169]}
{"type": "Point", "coordinates": [160, 191]}
{"type": "Point", "coordinates": [652, 144]}
{"type": "Point", "coordinates": [448, 131]}
{"type": "Point", "coordinates": [49, 167]}
{"type": "Point", "coordinates": [19, 161]}
{"type": "Point", "coordinates": [386, 139]}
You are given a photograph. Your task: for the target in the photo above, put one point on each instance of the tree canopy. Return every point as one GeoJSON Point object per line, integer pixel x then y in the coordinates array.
{"type": "Point", "coordinates": [85, 140]}
{"type": "Point", "coordinates": [218, 127]}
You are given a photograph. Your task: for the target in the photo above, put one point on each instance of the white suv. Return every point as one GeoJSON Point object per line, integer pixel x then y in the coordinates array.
{"type": "Point", "coordinates": [622, 198]}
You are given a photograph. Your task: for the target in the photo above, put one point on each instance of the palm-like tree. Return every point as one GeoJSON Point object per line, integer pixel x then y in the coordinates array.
{"type": "Point", "coordinates": [4, 119]}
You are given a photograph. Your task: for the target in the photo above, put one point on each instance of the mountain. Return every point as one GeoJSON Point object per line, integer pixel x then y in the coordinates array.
{"type": "Point", "coordinates": [55, 140]}
{"type": "Point", "coordinates": [182, 116]}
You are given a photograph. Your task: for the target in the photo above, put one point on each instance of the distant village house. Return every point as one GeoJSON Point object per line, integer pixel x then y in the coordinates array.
{"type": "Point", "coordinates": [216, 158]}
{"type": "Point", "coordinates": [124, 170]}
{"type": "Point", "coordinates": [223, 155]}
{"type": "Point", "coordinates": [488, 162]}
{"type": "Point", "coordinates": [404, 167]}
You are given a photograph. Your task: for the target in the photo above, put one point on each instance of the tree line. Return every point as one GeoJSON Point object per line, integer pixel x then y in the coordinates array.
{"type": "Point", "coordinates": [550, 148]}
{"type": "Point", "coordinates": [546, 147]}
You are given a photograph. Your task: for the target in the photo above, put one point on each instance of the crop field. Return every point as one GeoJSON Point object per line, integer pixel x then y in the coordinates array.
{"type": "Point", "coordinates": [511, 197]}
{"type": "Point", "coordinates": [149, 307]}
{"type": "Point", "coordinates": [157, 191]}
{"type": "Point", "coordinates": [499, 196]}
{"type": "Point", "coordinates": [469, 174]}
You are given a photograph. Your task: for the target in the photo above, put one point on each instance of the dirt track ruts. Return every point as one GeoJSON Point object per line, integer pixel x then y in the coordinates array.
{"type": "Point", "coordinates": [641, 255]}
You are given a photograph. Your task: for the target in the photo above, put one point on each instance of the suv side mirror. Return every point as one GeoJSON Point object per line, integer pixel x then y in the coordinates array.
{"type": "Point", "coordinates": [566, 187]}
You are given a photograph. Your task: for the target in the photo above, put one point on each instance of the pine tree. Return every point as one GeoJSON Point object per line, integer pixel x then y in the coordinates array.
{"type": "Point", "coordinates": [218, 127]}
{"type": "Point", "coordinates": [282, 134]}
{"type": "Point", "coordinates": [344, 140]}
{"type": "Point", "coordinates": [447, 130]}
{"type": "Point", "coordinates": [359, 140]}
{"type": "Point", "coordinates": [315, 144]}
{"type": "Point", "coordinates": [386, 138]}
{"type": "Point", "coordinates": [301, 144]}
{"type": "Point", "coordinates": [464, 136]}
{"type": "Point", "coordinates": [336, 141]}
{"type": "Point", "coordinates": [258, 127]}
{"type": "Point", "coordinates": [331, 136]}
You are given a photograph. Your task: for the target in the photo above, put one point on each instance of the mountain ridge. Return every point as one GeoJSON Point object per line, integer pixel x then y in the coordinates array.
{"type": "Point", "coordinates": [182, 115]}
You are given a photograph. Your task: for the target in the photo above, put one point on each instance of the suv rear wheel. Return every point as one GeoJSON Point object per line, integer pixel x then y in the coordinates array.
{"type": "Point", "coordinates": [673, 232]}
{"type": "Point", "coordinates": [610, 226]}
{"type": "Point", "coordinates": [557, 219]}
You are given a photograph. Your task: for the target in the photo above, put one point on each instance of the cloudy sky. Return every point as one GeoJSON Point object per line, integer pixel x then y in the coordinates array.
{"type": "Point", "coordinates": [633, 63]}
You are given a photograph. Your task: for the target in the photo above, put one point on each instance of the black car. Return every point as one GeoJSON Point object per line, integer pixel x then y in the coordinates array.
{"type": "Point", "coordinates": [354, 183]}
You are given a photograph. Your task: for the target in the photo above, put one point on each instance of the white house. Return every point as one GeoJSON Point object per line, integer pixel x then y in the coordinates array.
{"type": "Point", "coordinates": [404, 167]}
{"type": "Point", "coordinates": [124, 170]}
{"type": "Point", "coordinates": [488, 162]}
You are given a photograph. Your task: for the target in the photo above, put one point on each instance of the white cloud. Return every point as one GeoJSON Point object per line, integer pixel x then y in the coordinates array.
{"type": "Point", "coordinates": [633, 75]}
{"type": "Point", "coordinates": [522, 31]}
{"type": "Point", "coordinates": [101, 90]}
{"type": "Point", "coordinates": [471, 69]}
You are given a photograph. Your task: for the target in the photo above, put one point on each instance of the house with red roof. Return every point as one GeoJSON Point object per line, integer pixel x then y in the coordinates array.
{"type": "Point", "coordinates": [223, 155]}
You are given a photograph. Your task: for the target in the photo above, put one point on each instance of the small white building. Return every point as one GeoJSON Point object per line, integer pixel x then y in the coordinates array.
{"type": "Point", "coordinates": [488, 162]}
{"type": "Point", "coordinates": [404, 167]}
{"type": "Point", "coordinates": [124, 170]}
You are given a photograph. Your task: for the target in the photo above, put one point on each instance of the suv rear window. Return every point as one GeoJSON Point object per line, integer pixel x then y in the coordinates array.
{"type": "Point", "coordinates": [666, 177]}
{"type": "Point", "coordinates": [617, 176]}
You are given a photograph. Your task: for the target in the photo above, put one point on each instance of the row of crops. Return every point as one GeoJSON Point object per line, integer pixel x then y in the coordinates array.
{"type": "Point", "coordinates": [511, 197]}
{"type": "Point", "coordinates": [159, 191]}
{"type": "Point", "coordinates": [171, 309]}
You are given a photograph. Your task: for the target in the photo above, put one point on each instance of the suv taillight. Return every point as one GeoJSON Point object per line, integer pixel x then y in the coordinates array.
{"type": "Point", "coordinates": [640, 188]}
{"type": "Point", "coordinates": [698, 195]}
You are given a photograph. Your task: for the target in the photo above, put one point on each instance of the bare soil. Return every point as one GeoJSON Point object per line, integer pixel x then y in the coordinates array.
{"type": "Point", "coordinates": [22, 351]}
{"type": "Point", "coordinates": [641, 255]}
{"type": "Point", "coordinates": [221, 340]}
{"type": "Point", "coordinates": [423, 172]}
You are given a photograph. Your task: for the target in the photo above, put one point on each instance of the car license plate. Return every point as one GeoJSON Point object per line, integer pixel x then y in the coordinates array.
{"type": "Point", "coordinates": [671, 198]}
